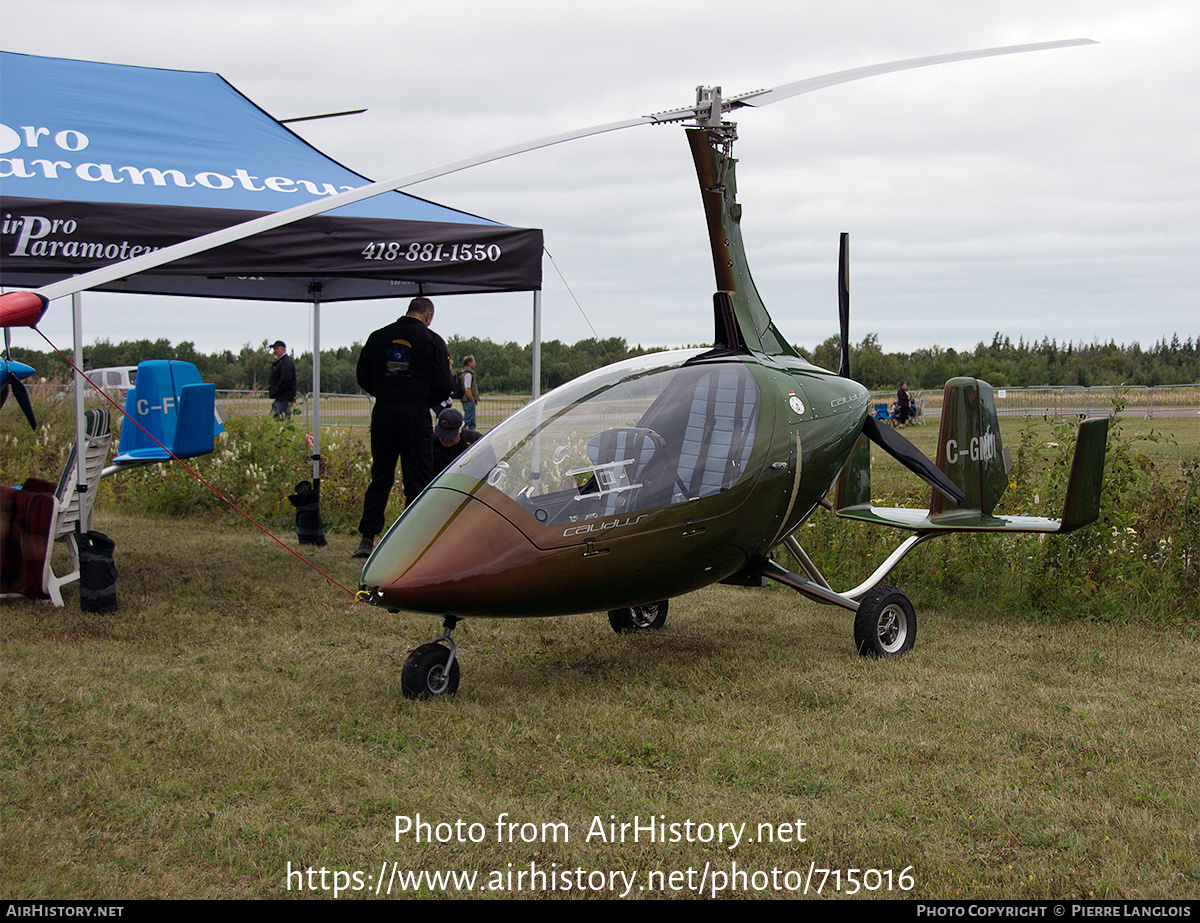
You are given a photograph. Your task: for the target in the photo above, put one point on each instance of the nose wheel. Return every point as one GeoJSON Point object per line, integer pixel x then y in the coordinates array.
{"type": "Point", "coordinates": [649, 617]}
{"type": "Point", "coordinates": [432, 669]}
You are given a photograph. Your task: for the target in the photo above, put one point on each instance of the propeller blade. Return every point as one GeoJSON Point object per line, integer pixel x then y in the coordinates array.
{"type": "Point", "coordinates": [911, 458]}
{"type": "Point", "coordinates": [22, 398]}
{"type": "Point", "coordinates": [844, 303]}
{"type": "Point", "coordinates": [699, 111]}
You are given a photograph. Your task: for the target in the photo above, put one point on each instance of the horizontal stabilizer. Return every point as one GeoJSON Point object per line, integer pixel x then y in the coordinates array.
{"type": "Point", "coordinates": [170, 412]}
{"type": "Point", "coordinates": [1081, 508]}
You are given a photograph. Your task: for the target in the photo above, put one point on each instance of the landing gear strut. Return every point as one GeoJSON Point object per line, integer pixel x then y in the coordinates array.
{"type": "Point", "coordinates": [432, 669]}
{"type": "Point", "coordinates": [885, 623]}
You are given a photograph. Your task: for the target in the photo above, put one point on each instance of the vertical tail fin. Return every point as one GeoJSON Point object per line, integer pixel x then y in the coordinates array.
{"type": "Point", "coordinates": [969, 449]}
{"type": "Point", "coordinates": [1082, 505]}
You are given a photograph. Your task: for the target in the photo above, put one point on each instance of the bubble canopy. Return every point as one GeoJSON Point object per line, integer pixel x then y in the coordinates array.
{"type": "Point", "coordinates": [657, 430]}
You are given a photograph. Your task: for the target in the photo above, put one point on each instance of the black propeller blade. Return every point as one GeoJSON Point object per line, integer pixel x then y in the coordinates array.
{"type": "Point", "coordinates": [844, 302]}
{"type": "Point", "coordinates": [11, 381]}
{"type": "Point", "coordinates": [885, 437]}
{"type": "Point", "coordinates": [22, 397]}
{"type": "Point", "coordinates": [911, 458]}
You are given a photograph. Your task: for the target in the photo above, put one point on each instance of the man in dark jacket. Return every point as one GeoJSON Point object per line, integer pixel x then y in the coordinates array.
{"type": "Point", "coordinates": [281, 386]}
{"type": "Point", "coordinates": [406, 368]}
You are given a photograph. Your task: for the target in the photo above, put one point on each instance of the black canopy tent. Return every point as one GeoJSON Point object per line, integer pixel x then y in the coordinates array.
{"type": "Point", "coordinates": [103, 162]}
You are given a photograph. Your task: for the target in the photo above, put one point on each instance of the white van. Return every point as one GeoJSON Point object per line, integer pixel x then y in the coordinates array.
{"type": "Point", "coordinates": [113, 381]}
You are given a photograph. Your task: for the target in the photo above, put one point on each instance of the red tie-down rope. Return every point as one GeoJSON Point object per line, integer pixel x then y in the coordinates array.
{"type": "Point", "coordinates": [196, 474]}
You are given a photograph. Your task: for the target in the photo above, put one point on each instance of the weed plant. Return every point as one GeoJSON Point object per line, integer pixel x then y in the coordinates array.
{"type": "Point", "coordinates": [256, 464]}
{"type": "Point", "coordinates": [1141, 560]}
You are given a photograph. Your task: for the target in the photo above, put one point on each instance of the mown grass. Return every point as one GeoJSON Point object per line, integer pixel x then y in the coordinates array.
{"type": "Point", "coordinates": [240, 713]}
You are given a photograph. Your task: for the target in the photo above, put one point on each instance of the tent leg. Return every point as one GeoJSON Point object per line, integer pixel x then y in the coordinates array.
{"type": "Point", "coordinates": [309, 528]}
{"type": "Point", "coordinates": [537, 344]}
{"type": "Point", "coordinates": [316, 386]}
{"type": "Point", "coordinates": [80, 388]}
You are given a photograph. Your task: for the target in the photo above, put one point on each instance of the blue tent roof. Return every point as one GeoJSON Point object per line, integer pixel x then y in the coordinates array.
{"type": "Point", "coordinates": [101, 161]}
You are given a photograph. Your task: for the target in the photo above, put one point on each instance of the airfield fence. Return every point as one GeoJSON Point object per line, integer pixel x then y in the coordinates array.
{"type": "Point", "coordinates": [1059, 402]}
{"type": "Point", "coordinates": [353, 411]}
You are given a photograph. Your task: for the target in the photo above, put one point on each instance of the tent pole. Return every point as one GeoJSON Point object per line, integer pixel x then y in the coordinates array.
{"type": "Point", "coordinates": [315, 288]}
{"type": "Point", "coordinates": [537, 344]}
{"type": "Point", "coordinates": [80, 385]}
{"type": "Point", "coordinates": [309, 529]}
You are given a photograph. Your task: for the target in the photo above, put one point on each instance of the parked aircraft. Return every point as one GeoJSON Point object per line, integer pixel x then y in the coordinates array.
{"type": "Point", "coordinates": [654, 477]}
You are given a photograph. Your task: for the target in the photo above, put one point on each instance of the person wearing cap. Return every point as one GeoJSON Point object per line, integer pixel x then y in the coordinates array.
{"type": "Point", "coordinates": [452, 439]}
{"type": "Point", "coordinates": [405, 366]}
{"type": "Point", "coordinates": [281, 386]}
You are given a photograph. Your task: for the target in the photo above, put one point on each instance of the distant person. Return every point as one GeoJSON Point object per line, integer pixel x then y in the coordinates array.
{"type": "Point", "coordinates": [281, 386]}
{"type": "Point", "coordinates": [470, 391]}
{"type": "Point", "coordinates": [904, 408]}
{"type": "Point", "coordinates": [449, 401]}
{"type": "Point", "coordinates": [405, 366]}
{"type": "Point", "coordinates": [452, 438]}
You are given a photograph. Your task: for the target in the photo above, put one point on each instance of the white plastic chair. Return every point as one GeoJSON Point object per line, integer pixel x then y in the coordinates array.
{"type": "Point", "coordinates": [73, 508]}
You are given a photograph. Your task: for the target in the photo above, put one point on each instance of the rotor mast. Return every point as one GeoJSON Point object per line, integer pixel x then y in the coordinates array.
{"type": "Point", "coordinates": [741, 321]}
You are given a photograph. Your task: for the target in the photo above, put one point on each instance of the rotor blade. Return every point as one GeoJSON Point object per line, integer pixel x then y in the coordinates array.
{"type": "Point", "coordinates": [112, 272]}
{"type": "Point", "coordinates": [22, 397]}
{"type": "Point", "coordinates": [844, 302]}
{"type": "Point", "coordinates": [788, 90]}
{"type": "Point", "coordinates": [911, 458]}
{"type": "Point", "coordinates": [153, 260]}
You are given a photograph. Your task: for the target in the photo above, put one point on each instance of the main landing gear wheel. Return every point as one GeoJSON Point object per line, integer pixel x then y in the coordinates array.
{"type": "Point", "coordinates": [425, 675]}
{"type": "Point", "coordinates": [885, 624]}
{"type": "Point", "coordinates": [649, 617]}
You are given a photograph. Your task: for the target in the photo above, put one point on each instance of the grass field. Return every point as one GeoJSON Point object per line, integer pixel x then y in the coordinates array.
{"type": "Point", "coordinates": [240, 716]}
{"type": "Point", "coordinates": [237, 727]}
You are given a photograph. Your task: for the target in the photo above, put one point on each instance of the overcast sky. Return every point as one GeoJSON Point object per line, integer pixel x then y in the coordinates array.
{"type": "Point", "coordinates": [1054, 194]}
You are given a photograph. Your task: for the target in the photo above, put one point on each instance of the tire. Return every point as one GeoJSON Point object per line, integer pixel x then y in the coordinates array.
{"type": "Point", "coordinates": [648, 617]}
{"type": "Point", "coordinates": [424, 675]}
{"type": "Point", "coordinates": [885, 624]}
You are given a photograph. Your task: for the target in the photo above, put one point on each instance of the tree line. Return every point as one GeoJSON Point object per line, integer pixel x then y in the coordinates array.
{"type": "Point", "coordinates": [507, 368]}
{"type": "Point", "coordinates": [1025, 364]}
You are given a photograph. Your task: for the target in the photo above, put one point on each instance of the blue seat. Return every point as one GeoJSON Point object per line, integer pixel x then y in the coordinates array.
{"type": "Point", "coordinates": [176, 407]}
{"type": "Point", "coordinates": [881, 412]}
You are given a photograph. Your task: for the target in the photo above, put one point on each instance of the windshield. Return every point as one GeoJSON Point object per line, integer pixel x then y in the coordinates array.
{"type": "Point", "coordinates": [640, 434]}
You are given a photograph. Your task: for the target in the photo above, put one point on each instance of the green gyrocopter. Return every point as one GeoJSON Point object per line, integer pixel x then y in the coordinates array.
{"type": "Point", "coordinates": [657, 476]}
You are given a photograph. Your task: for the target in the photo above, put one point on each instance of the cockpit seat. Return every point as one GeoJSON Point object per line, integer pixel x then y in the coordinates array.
{"type": "Point", "coordinates": [627, 475]}
{"type": "Point", "coordinates": [719, 434]}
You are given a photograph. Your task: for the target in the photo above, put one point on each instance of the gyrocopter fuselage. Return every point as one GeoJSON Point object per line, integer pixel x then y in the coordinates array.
{"type": "Point", "coordinates": [656, 476]}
